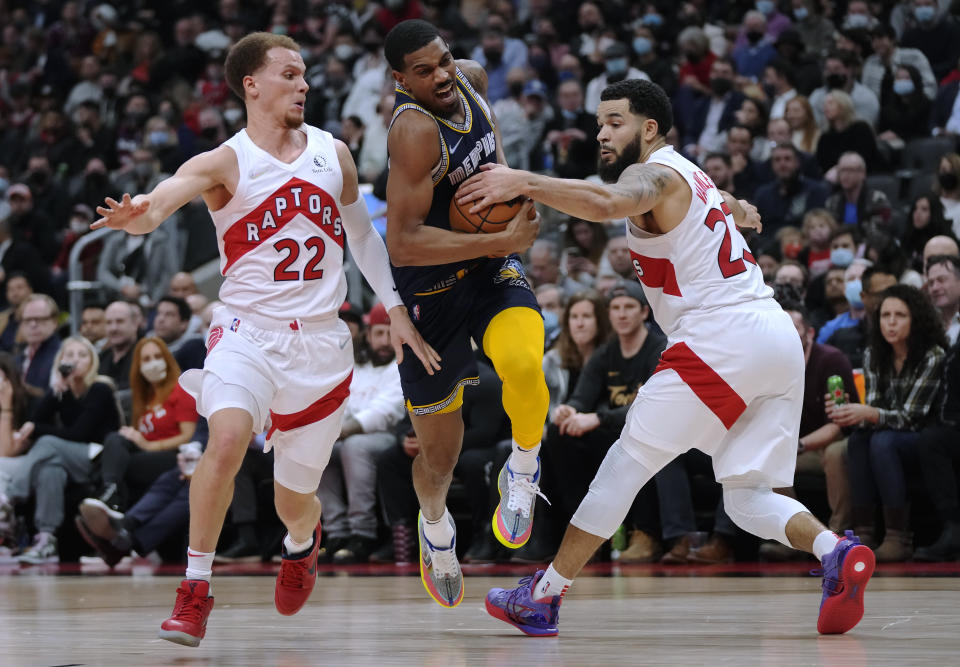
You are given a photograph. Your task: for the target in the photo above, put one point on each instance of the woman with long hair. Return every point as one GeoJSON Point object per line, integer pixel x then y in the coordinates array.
{"type": "Point", "coordinates": [925, 221]}
{"type": "Point", "coordinates": [803, 125]}
{"type": "Point", "coordinates": [902, 368]}
{"type": "Point", "coordinates": [165, 417]}
{"type": "Point", "coordinates": [845, 132]}
{"type": "Point", "coordinates": [583, 243]}
{"type": "Point", "coordinates": [904, 110]}
{"type": "Point", "coordinates": [76, 412]}
{"type": "Point", "coordinates": [584, 326]}
{"type": "Point", "coordinates": [948, 187]}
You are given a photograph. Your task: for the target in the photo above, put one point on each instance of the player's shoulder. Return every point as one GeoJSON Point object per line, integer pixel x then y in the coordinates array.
{"type": "Point", "coordinates": [475, 75]}
{"type": "Point", "coordinates": [411, 127]}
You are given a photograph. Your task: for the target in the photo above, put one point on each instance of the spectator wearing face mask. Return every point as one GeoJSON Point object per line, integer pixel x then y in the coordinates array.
{"type": "Point", "coordinates": [904, 110]}
{"type": "Point", "coordinates": [880, 69]}
{"type": "Point", "coordinates": [702, 119]}
{"type": "Point", "coordinates": [753, 57]}
{"type": "Point", "coordinates": [838, 75]}
{"type": "Point", "coordinates": [498, 54]}
{"type": "Point", "coordinates": [775, 23]}
{"type": "Point", "coordinates": [80, 219]}
{"type": "Point", "coordinates": [848, 332]}
{"type": "Point", "coordinates": [647, 58]}
{"type": "Point", "coordinates": [616, 67]}
{"type": "Point", "coordinates": [936, 34]}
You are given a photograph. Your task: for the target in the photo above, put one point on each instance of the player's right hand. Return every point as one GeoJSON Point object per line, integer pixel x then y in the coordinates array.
{"type": "Point", "coordinates": [119, 214]}
{"type": "Point", "coordinates": [522, 230]}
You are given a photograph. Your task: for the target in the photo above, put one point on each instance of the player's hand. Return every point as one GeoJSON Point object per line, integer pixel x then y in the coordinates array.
{"type": "Point", "coordinates": [751, 218]}
{"type": "Point", "coordinates": [521, 231]}
{"type": "Point", "coordinates": [119, 214]}
{"type": "Point", "coordinates": [402, 332]}
{"type": "Point", "coordinates": [494, 184]}
{"type": "Point", "coordinates": [579, 423]}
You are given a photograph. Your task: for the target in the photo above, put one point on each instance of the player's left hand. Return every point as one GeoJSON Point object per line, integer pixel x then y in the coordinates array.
{"type": "Point", "coordinates": [751, 219]}
{"type": "Point", "coordinates": [402, 332]}
{"type": "Point", "coordinates": [494, 184]}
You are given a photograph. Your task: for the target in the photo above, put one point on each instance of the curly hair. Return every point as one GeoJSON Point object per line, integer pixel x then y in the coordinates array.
{"type": "Point", "coordinates": [569, 354]}
{"type": "Point", "coordinates": [926, 330]}
{"type": "Point", "coordinates": [645, 98]}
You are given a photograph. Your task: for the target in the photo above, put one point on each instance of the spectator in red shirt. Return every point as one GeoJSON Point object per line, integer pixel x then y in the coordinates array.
{"type": "Point", "coordinates": [165, 417]}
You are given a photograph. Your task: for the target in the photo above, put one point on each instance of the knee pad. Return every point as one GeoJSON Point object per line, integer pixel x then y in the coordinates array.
{"type": "Point", "coordinates": [617, 482]}
{"type": "Point", "coordinates": [760, 511]}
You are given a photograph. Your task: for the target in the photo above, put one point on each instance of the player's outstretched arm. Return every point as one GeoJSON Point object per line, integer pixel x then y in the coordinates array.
{"type": "Point", "coordinates": [641, 187]}
{"type": "Point", "coordinates": [144, 213]}
{"type": "Point", "coordinates": [414, 149]}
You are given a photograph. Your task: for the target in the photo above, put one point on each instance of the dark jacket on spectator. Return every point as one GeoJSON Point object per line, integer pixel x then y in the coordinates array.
{"type": "Point", "coordinates": [908, 117]}
{"type": "Point", "coordinates": [940, 44]}
{"type": "Point", "coordinates": [857, 137]}
{"type": "Point", "coordinates": [873, 209]}
{"type": "Point", "coordinates": [86, 419]}
{"type": "Point", "coordinates": [24, 258]}
{"type": "Point", "coordinates": [41, 366]}
{"type": "Point", "coordinates": [824, 361]}
{"type": "Point", "coordinates": [943, 104]}
{"type": "Point", "coordinates": [691, 108]}
{"type": "Point", "coordinates": [779, 207]}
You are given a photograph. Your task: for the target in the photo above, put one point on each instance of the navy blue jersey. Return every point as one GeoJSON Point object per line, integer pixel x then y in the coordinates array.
{"type": "Point", "coordinates": [463, 148]}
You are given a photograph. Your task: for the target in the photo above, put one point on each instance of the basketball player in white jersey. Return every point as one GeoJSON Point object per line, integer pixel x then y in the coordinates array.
{"type": "Point", "coordinates": [730, 382]}
{"type": "Point", "coordinates": [282, 196]}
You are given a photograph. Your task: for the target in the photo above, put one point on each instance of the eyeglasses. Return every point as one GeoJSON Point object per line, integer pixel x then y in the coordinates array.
{"type": "Point", "coordinates": [36, 320]}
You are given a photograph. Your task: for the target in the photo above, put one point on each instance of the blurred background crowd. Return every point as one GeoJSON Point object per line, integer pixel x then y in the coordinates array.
{"type": "Point", "coordinates": [838, 119]}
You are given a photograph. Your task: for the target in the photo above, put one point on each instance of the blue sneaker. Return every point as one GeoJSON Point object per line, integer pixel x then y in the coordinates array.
{"type": "Point", "coordinates": [513, 518]}
{"type": "Point", "coordinates": [516, 606]}
{"type": "Point", "coordinates": [846, 571]}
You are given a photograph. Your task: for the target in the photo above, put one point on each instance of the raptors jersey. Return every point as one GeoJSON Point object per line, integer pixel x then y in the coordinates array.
{"type": "Point", "coordinates": [702, 264]}
{"type": "Point", "coordinates": [280, 236]}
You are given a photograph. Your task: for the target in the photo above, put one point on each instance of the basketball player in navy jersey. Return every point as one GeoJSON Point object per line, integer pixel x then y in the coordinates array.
{"type": "Point", "coordinates": [442, 131]}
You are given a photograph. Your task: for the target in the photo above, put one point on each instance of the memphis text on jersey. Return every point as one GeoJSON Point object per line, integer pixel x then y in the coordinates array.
{"type": "Point", "coordinates": [485, 146]}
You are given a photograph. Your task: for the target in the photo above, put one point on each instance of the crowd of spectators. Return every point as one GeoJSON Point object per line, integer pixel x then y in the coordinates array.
{"type": "Point", "coordinates": [838, 120]}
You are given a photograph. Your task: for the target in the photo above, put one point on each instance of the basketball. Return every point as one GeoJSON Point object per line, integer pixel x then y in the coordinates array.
{"type": "Point", "coordinates": [492, 219]}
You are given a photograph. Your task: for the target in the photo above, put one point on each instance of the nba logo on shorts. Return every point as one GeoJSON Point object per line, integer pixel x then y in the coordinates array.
{"type": "Point", "coordinates": [415, 311]}
{"type": "Point", "coordinates": [235, 325]}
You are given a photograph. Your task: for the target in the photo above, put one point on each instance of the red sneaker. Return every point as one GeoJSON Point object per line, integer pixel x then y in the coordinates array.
{"type": "Point", "coordinates": [296, 578]}
{"type": "Point", "coordinates": [188, 624]}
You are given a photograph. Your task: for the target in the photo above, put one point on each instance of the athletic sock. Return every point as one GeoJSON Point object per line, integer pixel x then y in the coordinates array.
{"type": "Point", "coordinates": [524, 461]}
{"type": "Point", "coordinates": [824, 543]}
{"type": "Point", "coordinates": [551, 584]}
{"type": "Point", "coordinates": [439, 533]}
{"type": "Point", "coordinates": [296, 547]}
{"type": "Point", "coordinates": [199, 564]}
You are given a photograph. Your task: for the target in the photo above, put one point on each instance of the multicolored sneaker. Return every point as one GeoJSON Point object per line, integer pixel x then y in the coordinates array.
{"type": "Point", "coordinates": [516, 606]}
{"type": "Point", "coordinates": [188, 624]}
{"type": "Point", "coordinates": [440, 570]}
{"type": "Point", "coordinates": [846, 571]}
{"type": "Point", "coordinates": [296, 578]}
{"type": "Point", "coordinates": [513, 518]}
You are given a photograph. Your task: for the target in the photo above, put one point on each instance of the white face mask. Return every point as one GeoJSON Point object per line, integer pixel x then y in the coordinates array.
{"type": "Point", "coordinates": [154, 370]}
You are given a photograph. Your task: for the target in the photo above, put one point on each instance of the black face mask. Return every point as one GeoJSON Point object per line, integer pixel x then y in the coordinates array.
{"type": "Point", "coordinates": [834, 81]}
{"type": "Point", "coordinates": [209, 133]}
{"type": "Point", "coordinates": [494, 57]}
{"type": "Point", "coordinates": [371, 47]}
{"type": "Point", "coordinates": [948, 181]}
{"type": "Point", "coordinates": [516, 88]}
{"type": "Point", "coordinates": [694, 57]}
{"type": "Point", "coordinates": [721, 86]}
{"type": "Point", "coordinates": [754, 37]}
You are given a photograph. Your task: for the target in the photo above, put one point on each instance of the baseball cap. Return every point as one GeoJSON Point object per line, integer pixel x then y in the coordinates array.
{"type": "Point", "coordinates": [377, 315]}
{"type": "Point", "coordinates": [350, 314]}
{"type": "Point", "coordinates": [535, 87]}
{"type": "Point", "coordinates": [630, 288]}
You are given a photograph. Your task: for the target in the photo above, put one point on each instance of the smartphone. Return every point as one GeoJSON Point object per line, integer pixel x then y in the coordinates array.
{"type": "Point", "coordinates": [65, 370]}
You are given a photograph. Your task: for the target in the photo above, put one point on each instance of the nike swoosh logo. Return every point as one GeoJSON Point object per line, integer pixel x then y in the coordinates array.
{"type": "Point", "coordinates": [344, 343]}
{"type": "Point", "coordinates": [257, 174]}
{"type": "Point", "coordinates": [453, 149]}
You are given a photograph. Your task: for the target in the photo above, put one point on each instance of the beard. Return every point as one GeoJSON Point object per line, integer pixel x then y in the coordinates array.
{"type": "Point", "coordinates": [609, 172]}
{"type": "Point", "coordinates": [381, 356]}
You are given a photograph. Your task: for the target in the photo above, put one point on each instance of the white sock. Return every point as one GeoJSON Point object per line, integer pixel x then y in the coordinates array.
{"type": "Point", "coordinates": [439, 533]}
{"type": "Point", "coordinates": [199, 564]}
{"type": "Point", "coordinates": [824, 543]}
{"type": "Point", "coordinates": [551, 584]}
{"type": "Point", "coordinates": [524, 461]}
{"type": "Point", "coordinates": [296, 547]}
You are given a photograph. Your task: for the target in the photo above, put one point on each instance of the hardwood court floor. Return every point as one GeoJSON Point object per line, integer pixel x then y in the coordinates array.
{"type": "Point", "coordinates": [357, 620]}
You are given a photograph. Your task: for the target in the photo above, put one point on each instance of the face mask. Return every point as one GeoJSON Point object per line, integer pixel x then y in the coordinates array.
{"type": "Point", "coordinates": [371, 47]}
{"type": "Point", "coordinates": [4, 184]}
{"type": "Point", "coordinates": [209, 133]}
{"type": "Point", "coordinates": [948, 181]}
{"type": "Point", "coordinates": [155, 370]}
{"type": "Point", "coordinates": [835, 81]}
{"type": "Point", "coordinates": [765, 7]}
{"type": "Point", "coordinates": [550, 320]}
{"type": "Point", "coordinates": [232, 115]}
{"type": "Point", "coordinates": [343, 51]}
{"type": "Point", "coordinates": [852, 292]}
{"type": "Point", "coordinates": [79, 226]}
{"type": "Point", "coordinates": [653, 20]}
{"type": "Point", "coordinates": [754, 36]}
{"type": "Point", "coordinates": [720, 86]}
{"type": "Point", "coordinates": [516, 88]}
{"type": "Point", "coordinates": [801, 13]}
{"type": "Point", "coordinates": [857, 20]}
{"type": "Point", "coordinates": [642, 46]}
{"type": "Point", "coordinates": [903, 86]}
{"type": "Point", "coordinates": [924, 14]}
{"type": "Point", "coordinates": [841, 257]}
{"type": "Point", "coordinates": [792, 250]}
{"type": "Point", "coordinates": [617, 67]}
{"type": "Point", "coordinates": [493, 56]}
{"type": "Point", "coordinates": [568, 115]}
{"type": "Point", "coordinates": [157, 138]}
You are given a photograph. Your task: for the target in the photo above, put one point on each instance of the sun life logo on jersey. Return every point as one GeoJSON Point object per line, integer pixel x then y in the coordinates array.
{"type": "Point", "coordinates": [320, 162]}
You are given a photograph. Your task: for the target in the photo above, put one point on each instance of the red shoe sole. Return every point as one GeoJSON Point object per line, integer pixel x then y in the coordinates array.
{"type": "Point", "coordinates": [498, 613]}
{"type": "Point", "coordinates": [841, 612]}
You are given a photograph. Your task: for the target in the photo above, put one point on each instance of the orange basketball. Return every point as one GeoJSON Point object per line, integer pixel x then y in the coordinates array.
{"type": "Point", "coordinates": [493, 218]}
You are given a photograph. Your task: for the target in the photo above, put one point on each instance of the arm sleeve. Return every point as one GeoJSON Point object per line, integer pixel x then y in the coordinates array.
{"type": "Point", "coordinates": [586, 395]}
{"type": "Point", "coordinates": [97, 409]}
{"type": "Point", "coordinates": [369, 252]}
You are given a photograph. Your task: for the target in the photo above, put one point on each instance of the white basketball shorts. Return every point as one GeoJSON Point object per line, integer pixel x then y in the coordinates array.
{"type": "Point", "coordinates": [295, 372]}
{"type": "Point", "coordinates": [730, 384]}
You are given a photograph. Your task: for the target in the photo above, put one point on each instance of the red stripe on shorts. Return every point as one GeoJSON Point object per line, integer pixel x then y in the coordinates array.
{"type": "Point", "coordinates": [321, 408]}
{"type": "Point", "coordinates": [709, 387]}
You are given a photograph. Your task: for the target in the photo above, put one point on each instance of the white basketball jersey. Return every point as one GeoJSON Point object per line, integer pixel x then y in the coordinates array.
{"type": "Point", "coordinates": [700, 265]}
{"type": "Point", "coordinates": [280, 236]}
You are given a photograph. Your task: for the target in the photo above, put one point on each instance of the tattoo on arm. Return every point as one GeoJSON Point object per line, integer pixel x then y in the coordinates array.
{"type": "Point", "coordinates": [645, 184]}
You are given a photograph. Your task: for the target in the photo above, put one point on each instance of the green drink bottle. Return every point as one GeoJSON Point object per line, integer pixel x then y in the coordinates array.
{"type": "Point", "coordinates": [835, 389]}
